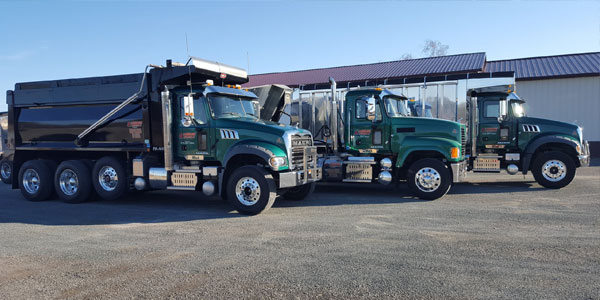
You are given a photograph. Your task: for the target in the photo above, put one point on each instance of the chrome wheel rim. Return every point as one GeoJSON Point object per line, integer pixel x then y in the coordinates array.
{"type": "Point", "coordinates": [428, 179]}
{"type": "Point", "coordinates": [247, 191]}
{"type": "Point", "coordinates": [31, 181]}
{"type": "Point", "coordinates": [554, 170]}
{"type": "Point", "coordinates": [5, 170]}
{"type": "Point", "coordinates": [68, 182]}
{"type": "Point", "coordinates": [108, 179]}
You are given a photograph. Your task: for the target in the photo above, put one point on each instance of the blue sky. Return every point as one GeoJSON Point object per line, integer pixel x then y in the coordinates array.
{"type": "Point", "coordinates": [68, 39]}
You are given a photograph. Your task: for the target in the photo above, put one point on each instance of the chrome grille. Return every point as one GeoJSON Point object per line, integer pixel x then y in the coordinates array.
{"type": "Point", "coordinates": [298, 144]}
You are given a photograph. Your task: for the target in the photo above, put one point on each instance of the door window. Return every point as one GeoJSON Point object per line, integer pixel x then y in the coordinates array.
{"type": "Point", "coordinates": [361, 109]}
{"type": "Point", "coordinates": [491, 109]}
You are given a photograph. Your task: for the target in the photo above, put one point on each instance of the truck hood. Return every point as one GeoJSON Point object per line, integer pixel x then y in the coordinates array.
{"type": "Point", "coordinates": [260, 125]}
{"type": "Point", "coordinates": [428, 127]}
{"type": "Point", "coordinates": [548, 127]}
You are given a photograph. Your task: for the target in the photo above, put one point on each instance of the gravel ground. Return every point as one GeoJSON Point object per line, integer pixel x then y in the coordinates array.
{"type": "Point", "coordinates": [493, 237]}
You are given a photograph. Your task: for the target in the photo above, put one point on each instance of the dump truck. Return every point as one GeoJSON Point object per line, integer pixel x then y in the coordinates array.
{"type": "Point", "coordinates": [499, 134]}
{"type": "Point", "coordinates": [186, 127]}
{"type": "Point", "coordinates": [366, 136]}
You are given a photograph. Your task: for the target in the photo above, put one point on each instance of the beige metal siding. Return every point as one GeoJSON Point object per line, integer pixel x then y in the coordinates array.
{"type": "Point", "coordinates": [573, 100]}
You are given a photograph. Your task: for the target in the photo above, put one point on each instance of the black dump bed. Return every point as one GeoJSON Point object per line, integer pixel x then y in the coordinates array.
{"type": "Point", "coordinates": [51, 114]}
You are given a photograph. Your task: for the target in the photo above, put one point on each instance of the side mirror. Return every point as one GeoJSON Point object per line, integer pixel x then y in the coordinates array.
{"type": "Point", "coordinates": [503, 111]}
{"type": "Point", "coordinates": [371, 108]}
{"type": "Point", "coordinates": [188, 110]}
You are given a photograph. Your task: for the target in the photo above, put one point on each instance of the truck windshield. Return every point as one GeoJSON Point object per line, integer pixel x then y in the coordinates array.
{"type": "Point", "coordinates": [396, 107]}
{"type": "Point", "coordinates": [228, 106]}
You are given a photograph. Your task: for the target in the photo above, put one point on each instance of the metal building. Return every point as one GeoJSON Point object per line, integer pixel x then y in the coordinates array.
{"type": "Point", "coordinates": [562, 87]}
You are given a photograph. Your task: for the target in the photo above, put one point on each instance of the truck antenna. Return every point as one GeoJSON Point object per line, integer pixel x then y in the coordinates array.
{"type": "Point", "coordinates": [187, 49]}
{"type": "Point", "coordinates": [248, 61]}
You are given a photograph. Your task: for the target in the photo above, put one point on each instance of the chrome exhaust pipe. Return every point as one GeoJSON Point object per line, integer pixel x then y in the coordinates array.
{"type": "Point", "coordinates": [167, 136]}
{"type": "Point", "coordinates": [334, 112]}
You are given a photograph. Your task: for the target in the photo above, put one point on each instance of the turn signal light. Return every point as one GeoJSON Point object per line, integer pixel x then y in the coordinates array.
{"type": "Point", "coordinates": [455, 152]}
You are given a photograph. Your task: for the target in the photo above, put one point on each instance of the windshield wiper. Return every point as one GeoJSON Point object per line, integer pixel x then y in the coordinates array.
{"type": "Point", "coordinates": [251, 114]}
{"type": "Point", "coordinates": [230, 113]}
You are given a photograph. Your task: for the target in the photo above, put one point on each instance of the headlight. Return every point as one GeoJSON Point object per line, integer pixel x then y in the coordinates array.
{"type": "Point", "coordinates": [277, 162]}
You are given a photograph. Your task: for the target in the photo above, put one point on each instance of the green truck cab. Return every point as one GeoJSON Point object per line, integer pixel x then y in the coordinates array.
{"type": "Point", "coordinates": [369, 135]}
{"type": "Point", "coordinates": [427, 153]}
{"type": "Point", "coordinates": [504, 137]}
{"type": "Point", "coordinates": [219, 128]}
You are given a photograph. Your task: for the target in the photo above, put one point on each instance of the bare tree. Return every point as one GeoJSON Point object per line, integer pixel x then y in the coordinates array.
{"type": "Point", "coordinates": [435, 48]}
{"type": "Point", "coordinates": [406, 56]}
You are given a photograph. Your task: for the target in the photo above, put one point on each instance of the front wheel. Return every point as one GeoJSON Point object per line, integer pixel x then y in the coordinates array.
{"type": "Point", "coordinates": [6, 171]}
{"type": "Point", "coordinates": [299, 192]}
{"type": "Point", "coordinates": [251, 190]}
{"type": "Point", "coordinates": [429, 178]}
{"type": "Point", "coordinates": [109, 178]}
{"type": "Point", "coordinates": [553, 169]}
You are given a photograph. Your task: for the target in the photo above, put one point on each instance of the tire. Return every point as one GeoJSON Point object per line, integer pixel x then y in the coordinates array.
{"type": "Point", "coordinates": [6, 171]}
{"type": "Point", "coordinates": [73, 181]}
{"type": "Point", "coordinates": [109, 178]}
{"type": "Point", "coordinates": [553, 169]}
{"type": "Point", "coordinates": [251, 190]}
{"type": "Point", "coordinates": [299, 192]}
{"type": "Point", "coordinates": [429, 178]}
{"type": "Point", "coordinates": [36, 180]}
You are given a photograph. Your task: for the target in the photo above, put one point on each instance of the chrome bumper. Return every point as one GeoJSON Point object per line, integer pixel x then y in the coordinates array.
{"type": "Point", "coordinates": [310, 171]}
{"type": "Point", "coordinates": [459, 171]}
{"type": "Point", "coordinates": [296, 178]}
{"type": "Point", "coordinates": [584, 158]}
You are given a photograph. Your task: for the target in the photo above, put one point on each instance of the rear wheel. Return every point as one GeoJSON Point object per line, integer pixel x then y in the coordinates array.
{"type": "Point", "coordinates": [73, 181]}
{"type": "Point", "coordinates": [109, 178]}
{"type": "Point", "coordinates": [35, 180]}
{"type": "Point", "coordinates": [299, 192]}
{"type": "Point", "coordinates": [6, 171]}
{"type": "Point", "coordinates": [251, 190]}
{"type": "Point", "coordinates": [429, 178]}
{"type": "Point", "coordinates": [553, 169]}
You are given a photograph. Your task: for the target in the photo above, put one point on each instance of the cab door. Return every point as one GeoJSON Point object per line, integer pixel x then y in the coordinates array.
{"type": "Point", "coordinates": [368, 136]}
{"type": "Point", "coordinates": [193, 137]}
{"type": "Point", "coordinates": [495, 128]}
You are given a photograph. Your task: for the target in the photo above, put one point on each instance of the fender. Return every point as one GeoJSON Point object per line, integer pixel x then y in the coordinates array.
{"type": "Point", "coordinates": [412, 144]}
{"type": "Point", "coordinates": [260, 149]}
{"type": "Point", "coordinates": [534, 145]}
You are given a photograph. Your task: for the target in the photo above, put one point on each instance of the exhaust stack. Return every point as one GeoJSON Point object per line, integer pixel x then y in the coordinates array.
{"type": "Point", "coordinates": [334, 121]}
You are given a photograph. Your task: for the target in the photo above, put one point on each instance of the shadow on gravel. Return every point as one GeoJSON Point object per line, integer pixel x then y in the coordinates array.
{"type": "Point", "coordinates": [150, 207]}
{"type": "Point", "coordinates": [494, 187]}
{"type": "Point", "coordinates": [353, 194]}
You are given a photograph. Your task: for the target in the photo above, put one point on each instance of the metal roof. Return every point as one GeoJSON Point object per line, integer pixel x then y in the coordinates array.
{"type": "Point", "coordinates": [569, 65]}
{"type": "Point", "coordinates": [450, 64]}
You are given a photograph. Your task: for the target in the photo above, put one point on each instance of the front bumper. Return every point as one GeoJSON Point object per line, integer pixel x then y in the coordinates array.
{"type": "Point", "coordinates": [296, 178]}
{"type": "Point", "coordinates": [584, 157]}
{"type": "Point", "coordinates": [459, 171]}
{"type": "Point", "coordinates": [310, 171]}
